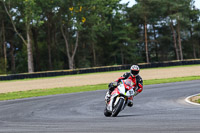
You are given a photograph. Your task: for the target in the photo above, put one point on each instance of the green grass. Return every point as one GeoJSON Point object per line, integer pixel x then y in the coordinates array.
{"type": "Point", "coordinates": [100, 72]}
{"type": "Point", "coordinates": [169, 80]}
{"type": "Point", "coordinates": [198, 101]}
{"type": "Point", "coordinates": [54, 91]}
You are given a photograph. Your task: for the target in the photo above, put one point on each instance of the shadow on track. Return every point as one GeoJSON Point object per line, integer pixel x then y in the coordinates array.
{"type": "Point", "coordinates": [128, 115]}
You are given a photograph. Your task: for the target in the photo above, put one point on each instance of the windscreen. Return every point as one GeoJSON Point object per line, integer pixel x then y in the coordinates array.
{"type": "Point", "coordinates": [129, 82]}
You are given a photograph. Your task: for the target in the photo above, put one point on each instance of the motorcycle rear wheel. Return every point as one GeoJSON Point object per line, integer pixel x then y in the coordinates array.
{"type": "Point", "coordinates": [117, 107]}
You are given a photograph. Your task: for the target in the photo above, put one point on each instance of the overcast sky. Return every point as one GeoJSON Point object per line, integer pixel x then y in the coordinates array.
{"type": "Point", "coordinates": [132, 2]}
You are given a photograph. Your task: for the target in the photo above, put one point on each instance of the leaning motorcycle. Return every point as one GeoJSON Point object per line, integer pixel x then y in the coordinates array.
{"type": "Point", "coordinates": [119, 98]}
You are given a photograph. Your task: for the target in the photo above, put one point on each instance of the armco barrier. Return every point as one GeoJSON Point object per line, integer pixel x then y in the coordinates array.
{"type": "Point", "coordinates": [96, 69]}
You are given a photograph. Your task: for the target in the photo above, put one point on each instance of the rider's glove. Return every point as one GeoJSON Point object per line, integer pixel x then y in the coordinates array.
{"type": "Point", "coordinates": [118, 81]}
{"type": "Point", "coordinates": [115, 83]}
{"type": "Point", "coordinates": [136, 92]}
{"type": "Point", "coordinates": [112, 84]}
{"type": "Point", "coordinates": [140, 88]}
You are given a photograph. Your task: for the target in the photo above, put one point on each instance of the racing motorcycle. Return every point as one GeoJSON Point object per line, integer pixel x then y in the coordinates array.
{"type": "Point", "coordinates": [119, 98]}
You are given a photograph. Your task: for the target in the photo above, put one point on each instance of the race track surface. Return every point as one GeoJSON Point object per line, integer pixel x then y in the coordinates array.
{"type": "Point", "coordinates": [158, 109]}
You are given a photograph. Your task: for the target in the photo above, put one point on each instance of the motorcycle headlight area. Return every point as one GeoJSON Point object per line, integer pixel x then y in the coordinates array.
{"type": "Point", "coordinates": [121, 89]}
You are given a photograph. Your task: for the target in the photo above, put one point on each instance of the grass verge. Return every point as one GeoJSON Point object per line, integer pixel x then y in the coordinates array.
{"type": "Point", "coordinates": [198, 101]}
{"type": "Point", "coordinates": [53, 91]}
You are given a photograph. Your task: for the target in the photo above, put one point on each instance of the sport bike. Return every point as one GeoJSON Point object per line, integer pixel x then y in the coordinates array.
{"type": "Point", "coordinates": [119, 98]}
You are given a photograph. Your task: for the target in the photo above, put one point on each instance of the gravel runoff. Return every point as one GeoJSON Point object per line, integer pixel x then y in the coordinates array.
{"type": "Point", "coordinates": [93, 79]}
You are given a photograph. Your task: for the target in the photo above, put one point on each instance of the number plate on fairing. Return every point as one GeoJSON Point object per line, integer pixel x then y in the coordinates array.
{"type": "Point", "coordinates": [130, 93]}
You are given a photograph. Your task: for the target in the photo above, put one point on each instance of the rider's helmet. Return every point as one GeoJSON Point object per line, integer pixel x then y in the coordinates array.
{"type": "Point", "coordinates": [134, 70]}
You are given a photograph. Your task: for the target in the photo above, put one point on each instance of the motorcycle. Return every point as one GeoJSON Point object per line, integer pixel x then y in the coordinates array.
{"type": "Point", "coordinates": [119, 98]}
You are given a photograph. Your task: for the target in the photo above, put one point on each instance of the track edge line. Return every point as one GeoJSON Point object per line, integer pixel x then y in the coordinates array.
{"type": "Point", "coordinates": [190, 102]}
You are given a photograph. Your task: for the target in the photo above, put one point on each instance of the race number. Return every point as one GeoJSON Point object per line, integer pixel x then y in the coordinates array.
{"type": "Point", "coordinates": [131, 92]}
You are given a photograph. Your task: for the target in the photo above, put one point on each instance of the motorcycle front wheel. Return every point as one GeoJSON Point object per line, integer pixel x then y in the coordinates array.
{"type": "Point", "coordinates": [117, 107]}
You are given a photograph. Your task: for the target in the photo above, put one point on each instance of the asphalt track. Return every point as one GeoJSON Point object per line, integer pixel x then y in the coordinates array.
{"type": "Point", "coordinates": [158, 109]}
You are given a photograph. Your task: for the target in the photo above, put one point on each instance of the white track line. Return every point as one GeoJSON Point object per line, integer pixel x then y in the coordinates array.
{"type": "Point", "coordinates": [188, 101]}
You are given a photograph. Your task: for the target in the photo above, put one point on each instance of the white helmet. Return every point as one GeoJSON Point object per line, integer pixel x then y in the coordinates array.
{"type": "Point", "coordinates": [134, 70]}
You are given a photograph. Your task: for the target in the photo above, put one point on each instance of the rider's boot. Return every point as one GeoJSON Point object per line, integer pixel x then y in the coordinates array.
{"type": "Point", "coordinates": [130, 101]}
{"type": "Point", "coordinates": [107, 97]}
{"type": "Point", "coordinates": [111, 87]}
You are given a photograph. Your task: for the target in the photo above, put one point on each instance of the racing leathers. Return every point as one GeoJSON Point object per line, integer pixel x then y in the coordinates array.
{"type": "Point", "coordinates": [138, 84]}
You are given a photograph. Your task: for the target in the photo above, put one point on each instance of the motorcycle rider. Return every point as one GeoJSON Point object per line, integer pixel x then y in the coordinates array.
{"type": "Point", "coordinates": [134, 76]}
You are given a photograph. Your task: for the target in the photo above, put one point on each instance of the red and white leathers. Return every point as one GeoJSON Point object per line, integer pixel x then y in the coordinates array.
{"type": "Point", "coordinates": [137, 80]}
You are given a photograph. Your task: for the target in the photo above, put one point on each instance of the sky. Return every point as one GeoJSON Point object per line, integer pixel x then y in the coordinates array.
{"type": "Point", "coordinates": [132, 2]}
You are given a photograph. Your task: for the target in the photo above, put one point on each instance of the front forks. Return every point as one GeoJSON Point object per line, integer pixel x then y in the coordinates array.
{"type": "Point", "coordinates": [125, 102]}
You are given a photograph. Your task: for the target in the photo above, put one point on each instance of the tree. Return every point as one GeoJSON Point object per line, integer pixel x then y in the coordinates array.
{"type": "Point", "coordinates": [142, 9]}
{"type": "Point", "coordinates": [193, 15]}
{"type": "Point", "coordinates": [31, 15]}
{"type": "Point", "coordinates": [3, 42]}
{"type": "Point", "coordinates": [60, 34]}
{"type": "Point", "coordinates": [49, 17]}
{"type": "Point", "coordinates": [100, 16]}
{"type": "Point", "coordinates": [70, 27]}
{"type": "Point", "coordinates": [177, 11]}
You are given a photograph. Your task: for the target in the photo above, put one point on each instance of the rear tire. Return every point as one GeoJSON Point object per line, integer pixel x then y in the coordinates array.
{"type": "Point", "coordinates": [118, 107]}
{"type": "Point", "coordinates": [106, 113]}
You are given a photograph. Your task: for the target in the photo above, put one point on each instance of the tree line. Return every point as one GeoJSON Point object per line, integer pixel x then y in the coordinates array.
{"type": "Point", "coordinates": [38, 35]}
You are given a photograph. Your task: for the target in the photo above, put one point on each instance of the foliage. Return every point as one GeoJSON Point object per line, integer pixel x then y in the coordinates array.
{"type": "Point", "coordinates": [108, 33]}
{"type": "Point", "coordinates": [198, 101]}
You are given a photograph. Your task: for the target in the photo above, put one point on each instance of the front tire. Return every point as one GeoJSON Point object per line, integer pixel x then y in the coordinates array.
{"type": "Point", "coordinates": [118, 107]}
